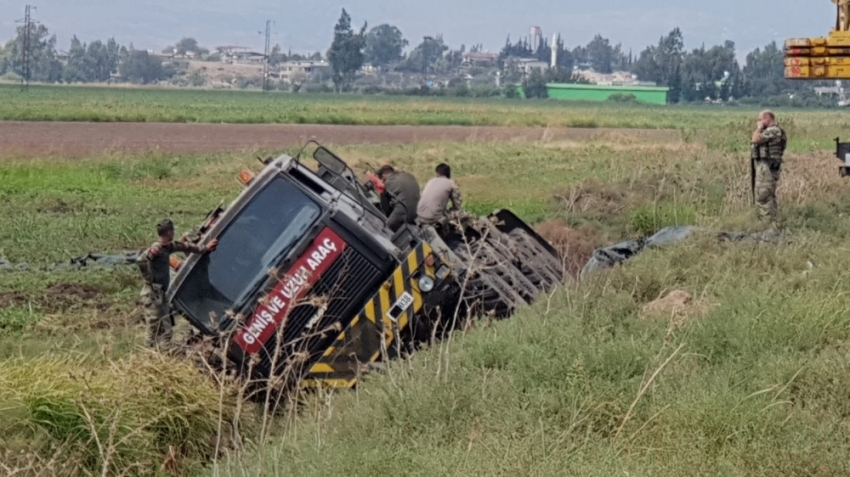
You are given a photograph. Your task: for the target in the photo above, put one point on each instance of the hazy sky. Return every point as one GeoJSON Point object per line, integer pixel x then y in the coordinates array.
{"type": "Point", "coordinates": [307, 25]}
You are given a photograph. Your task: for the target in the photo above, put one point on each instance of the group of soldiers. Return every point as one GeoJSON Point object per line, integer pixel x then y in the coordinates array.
{"type": "Point", "coordinates": [403, 203]}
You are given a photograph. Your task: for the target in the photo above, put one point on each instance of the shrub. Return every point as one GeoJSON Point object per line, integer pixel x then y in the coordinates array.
{"type": "Point", "coordinates": [651, 218]}
{"type": "Point", "coordinates": [622, 98]}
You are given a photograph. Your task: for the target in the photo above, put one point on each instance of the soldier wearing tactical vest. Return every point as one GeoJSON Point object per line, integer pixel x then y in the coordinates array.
{"type": "Point", "coordinates": [154, 263]}
{"type": "Point", "coordinates": [768, 146]}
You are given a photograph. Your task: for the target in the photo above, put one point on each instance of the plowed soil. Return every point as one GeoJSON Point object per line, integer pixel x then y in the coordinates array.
{"type": "Point", "coordinates": [77, 139]}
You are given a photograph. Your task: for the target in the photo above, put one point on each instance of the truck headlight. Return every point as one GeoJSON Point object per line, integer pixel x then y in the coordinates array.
{"type": "Point", "coordinates": [426, 283]}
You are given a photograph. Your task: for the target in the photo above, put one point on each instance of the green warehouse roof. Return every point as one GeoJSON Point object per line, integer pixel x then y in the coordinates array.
{"type": "Point", "coordinates": [592, 92]}
{"type": "Point", "coordinates": [607, 87]}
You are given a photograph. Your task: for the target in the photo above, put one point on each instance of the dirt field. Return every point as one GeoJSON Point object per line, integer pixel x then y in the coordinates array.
{"type": "Point", "coordinates": [34, 139]}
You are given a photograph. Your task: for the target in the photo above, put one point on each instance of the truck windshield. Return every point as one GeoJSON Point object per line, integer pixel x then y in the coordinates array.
{"type": "Point", "coordinates": [256, 239]}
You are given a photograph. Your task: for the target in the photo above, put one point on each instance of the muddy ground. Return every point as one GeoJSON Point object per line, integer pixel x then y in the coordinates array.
{"type": "Point", "coordinates": [72, 139]}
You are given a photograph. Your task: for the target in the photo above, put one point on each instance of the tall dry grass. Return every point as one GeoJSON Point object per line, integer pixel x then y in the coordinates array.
{"type": "Point", "coordinates": [106, 416]}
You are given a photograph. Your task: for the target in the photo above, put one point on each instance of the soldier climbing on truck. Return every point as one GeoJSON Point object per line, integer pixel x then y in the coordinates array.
{"type": "Point", "coordinates": [400, 197]}
{"type": "Point", "coordinates": [438, 193]}
{"type": "Point", "coordinates": [154, 265]}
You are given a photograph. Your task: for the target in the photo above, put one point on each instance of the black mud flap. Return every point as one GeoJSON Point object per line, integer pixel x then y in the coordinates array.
{"type": "Point", "coordinates": [506, 221]}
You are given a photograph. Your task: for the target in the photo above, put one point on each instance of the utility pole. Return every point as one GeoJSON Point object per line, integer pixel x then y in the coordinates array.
{"type": "Point", "coordinates": [26, 54]}
{"type": "Point", "coordinates": [267, 57]}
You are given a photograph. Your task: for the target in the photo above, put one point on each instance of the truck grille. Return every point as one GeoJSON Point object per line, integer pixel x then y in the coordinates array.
{"type": "Point", "coordinates": [341, 291]}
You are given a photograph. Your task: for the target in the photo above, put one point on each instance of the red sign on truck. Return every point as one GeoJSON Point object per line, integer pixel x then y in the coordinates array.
{"type": "Point", "coordinates": [270, 314]}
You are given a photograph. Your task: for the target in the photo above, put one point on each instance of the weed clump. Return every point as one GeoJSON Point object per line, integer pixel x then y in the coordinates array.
{"type": "Point", "coordinates": [115, 416]}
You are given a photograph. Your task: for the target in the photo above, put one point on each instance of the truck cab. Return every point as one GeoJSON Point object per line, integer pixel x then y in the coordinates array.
{"type": "Point", "coordinates": [307, 282]}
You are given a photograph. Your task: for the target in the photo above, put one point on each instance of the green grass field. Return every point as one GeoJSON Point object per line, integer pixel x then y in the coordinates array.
{"type": "Point", "coordinates": [102, 104]}
{"type": "Point", "coordinates": [749, 379]}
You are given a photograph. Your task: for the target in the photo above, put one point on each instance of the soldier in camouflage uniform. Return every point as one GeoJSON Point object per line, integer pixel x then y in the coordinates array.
{"type": "Point", "coordinates": [768, 146]}
{"type": "Point", "coordinates": [155, 266]}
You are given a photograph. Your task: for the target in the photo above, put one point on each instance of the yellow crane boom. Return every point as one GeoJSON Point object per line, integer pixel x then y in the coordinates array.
{"type": "Point", "coordinates": [822, 58]}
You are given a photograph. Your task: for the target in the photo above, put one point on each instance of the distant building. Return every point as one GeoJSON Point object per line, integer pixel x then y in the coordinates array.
{"type": "Point", "coordinates": [617, 78]}
{"type": "Point", "coordinates": [290, 70]}
{"type": "Point", "coordinates": [536, 38]}
{"type": "Point", "coordinates": [589, 92]}
{"type": "Point", "coordinates": [480, 59]}
{"type": "Point", "coordinates": [239, 54]}
{"type": "Point", "coordinates": [828, 91]}
{"type": "Point", "coordinates": [527, 65]}
{"type": "Point", "coordinates": [556, 37]}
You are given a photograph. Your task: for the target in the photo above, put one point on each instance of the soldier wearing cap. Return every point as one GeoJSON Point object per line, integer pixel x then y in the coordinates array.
{"type": "Point", "coordinates": [154, 263]}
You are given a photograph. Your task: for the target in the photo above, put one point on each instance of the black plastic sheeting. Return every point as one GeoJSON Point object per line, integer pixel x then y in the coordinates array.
{"type": "Point", "coordinates": [607, 257]}
{"type": "Point", "coordinates": [91, 260]}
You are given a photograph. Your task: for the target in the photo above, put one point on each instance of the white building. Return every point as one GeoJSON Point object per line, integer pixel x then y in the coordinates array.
{"type": "Point", "coordinates": [293, 70]}
{"type": "Point", "coordinates": [527, 65]}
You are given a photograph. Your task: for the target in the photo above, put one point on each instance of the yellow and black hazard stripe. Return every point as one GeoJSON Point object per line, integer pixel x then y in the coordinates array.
{"type": "Point", "coordinates": [360, 343]}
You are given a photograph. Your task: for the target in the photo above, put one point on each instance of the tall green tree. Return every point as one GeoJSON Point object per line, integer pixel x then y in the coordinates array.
{"type": "Point", "coordinates": [140, 67]}
{"type": "Point", "coordinates": [601, 54]}
{"type": "Point", "coordinates": [186, 45]}
{"type": "Point", "coordinates": [426, 55]}
{"type": "Point", "coordinates": [346, 52]}
{"type": "Point", "coordinates": [93, 63]}
{"type": "Point", "coordinates": [75, 71]}
{"type": "Point", "coordinates": [662, 64]}
{"type": "Point", "coordinates": [534, 86]}
{"type": "Point", "coordinates": [384, 45]}
{"type": "Point", "coordinates": [520, 49]}
{"type": "Point", "coordinates": [43, 64]}
{"type": "Point", "coordinates": [764, 73]}
{"type": "Point", "coordinates": [276, 56]}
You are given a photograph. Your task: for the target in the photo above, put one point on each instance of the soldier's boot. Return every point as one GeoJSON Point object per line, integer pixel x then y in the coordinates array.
{"type": "Point", "coordinates": [159, 329]}
{"type": "Point", "coordinates": [166, 333]}
{"type": "Point", "coordinates": [151, 314]}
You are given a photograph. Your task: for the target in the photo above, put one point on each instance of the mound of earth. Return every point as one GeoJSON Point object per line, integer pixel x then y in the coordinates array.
{"type": "Point", "coordinates": [12, 298]}
{"type": "Point", "coordinates": [677, 305]}
{"type": "Point", "coordinates": [66, 290]}
{"type": "Point", "coordinates": [577, 245]}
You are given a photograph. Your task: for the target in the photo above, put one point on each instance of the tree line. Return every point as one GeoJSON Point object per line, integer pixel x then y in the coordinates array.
{"type": "Point", "coordinates": [700, 74]}
{"type": "Point", "coordinates": [97, 61]}
{"type": "Point", "coordinates": [711, 73]}
{"type": "Point", "coordinates": [715, 74]}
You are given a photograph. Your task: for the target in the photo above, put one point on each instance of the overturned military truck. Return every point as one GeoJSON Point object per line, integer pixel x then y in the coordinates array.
{"type": "Point", "coordinates": [309, 285]}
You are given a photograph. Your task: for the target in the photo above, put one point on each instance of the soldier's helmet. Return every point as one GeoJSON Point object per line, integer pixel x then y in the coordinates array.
{"type": "Point", "coordinates": [164, 226]}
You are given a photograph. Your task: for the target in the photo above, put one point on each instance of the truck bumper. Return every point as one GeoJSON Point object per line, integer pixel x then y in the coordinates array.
{"type": "Point", "coordinates": [383, 322]}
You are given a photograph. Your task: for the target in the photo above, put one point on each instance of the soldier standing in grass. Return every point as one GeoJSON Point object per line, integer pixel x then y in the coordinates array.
{"type": "Point", "coordinates": [155, 266]}
{"type": "Point", "coordinates": [768, 146]}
